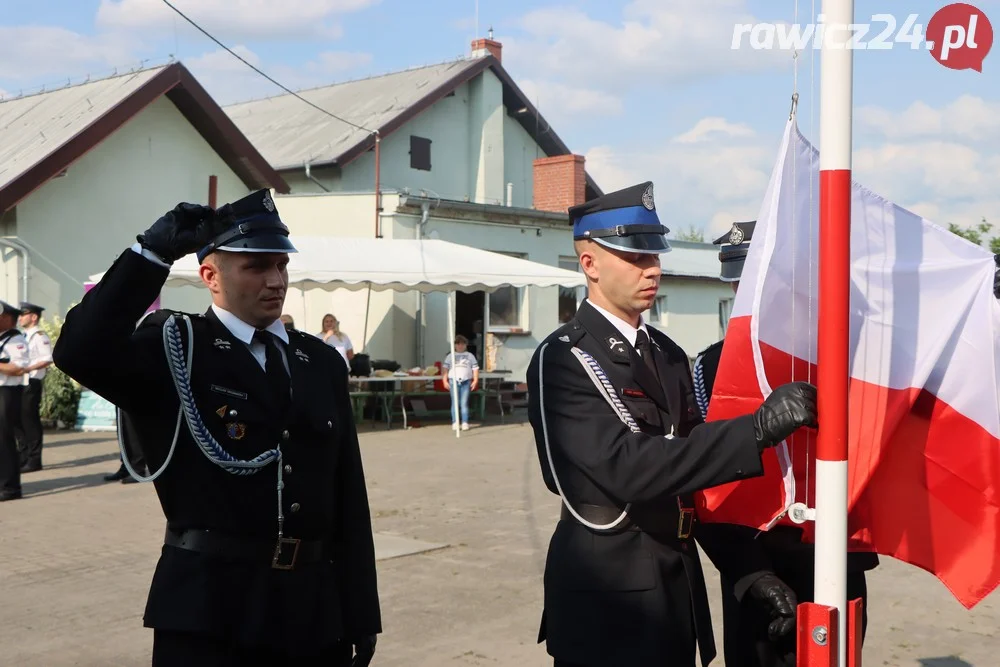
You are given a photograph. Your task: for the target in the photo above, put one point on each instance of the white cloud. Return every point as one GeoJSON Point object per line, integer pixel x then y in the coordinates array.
{"type": "Point", "coordinates": [707, 128]}
{"type": "Point", "coordinates": [655, 43]}
{"type": "Point", "coordinates": [243, 19]}
{"type": "Point", "coordinates": [557, 101]}
{"type": "Point", "coordinates": [27, 53]}
{"type": "Point", "coordinates": [708, 183]}
{"type": "Point", "coordinates": [968, 117]}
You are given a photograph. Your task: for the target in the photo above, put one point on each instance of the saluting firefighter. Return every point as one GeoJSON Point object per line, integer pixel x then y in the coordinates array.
{"type": "Point", "coordinates": [777, 559]}
{"type": "Point", "coordinates": [29, 434]}
{"type": "Point", "coordinates": [620, 439]}
{"type": "Point", "coordinates": [13, 361]}
{"type": "Point", "coordinates": [273, 567]}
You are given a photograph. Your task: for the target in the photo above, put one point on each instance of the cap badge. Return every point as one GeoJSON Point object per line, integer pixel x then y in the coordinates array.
{"type": "Point", "coordinates": [268, 203]}
{"type": "Point", "coordinates": [736, 236]}
{"type": "Point", "coordinates": [647, 197]}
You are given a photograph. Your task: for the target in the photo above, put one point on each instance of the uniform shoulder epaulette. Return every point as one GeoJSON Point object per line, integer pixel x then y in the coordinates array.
{"type": "Point", "coordinates": [571, 333]}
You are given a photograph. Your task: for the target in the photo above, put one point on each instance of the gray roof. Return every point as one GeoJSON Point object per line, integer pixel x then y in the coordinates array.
{"type": "Point", "coordinates": [35, 126]}
{"type": "Point", "coordinates": [289, 133]}
{"type": "Point", "coordinates": [691, 260]}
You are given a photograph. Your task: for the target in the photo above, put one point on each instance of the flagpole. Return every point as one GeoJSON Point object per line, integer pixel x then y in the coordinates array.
{"type": "Point", "coordinates": [835, 134]}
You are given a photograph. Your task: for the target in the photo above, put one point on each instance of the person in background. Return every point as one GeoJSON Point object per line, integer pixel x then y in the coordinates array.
{"type": "Point", "coordinates": [463, 372]}
{"type": "Point", "coordinates": [287, 320]}
{"type": "Point", "coordinates": [29, 432]}
{"type": "Point", "coordinates": [13, 361]}
{"type": "Point", "coordinates": [334, 337]}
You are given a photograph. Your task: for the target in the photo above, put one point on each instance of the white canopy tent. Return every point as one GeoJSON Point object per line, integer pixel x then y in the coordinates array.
{"type": "Point", "coordinates": [430, 265]}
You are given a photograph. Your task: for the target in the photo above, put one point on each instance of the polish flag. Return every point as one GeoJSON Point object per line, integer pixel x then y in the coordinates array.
{"type": "Point", "coordinates": [924, 392]}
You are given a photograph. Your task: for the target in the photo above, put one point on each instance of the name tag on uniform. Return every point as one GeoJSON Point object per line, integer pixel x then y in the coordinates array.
{"type": "Point", "coordinates": [229, 392]}
{"type": "Point", "coordinates": [634, 393]}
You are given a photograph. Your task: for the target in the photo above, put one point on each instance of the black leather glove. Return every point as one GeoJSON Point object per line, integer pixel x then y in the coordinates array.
{"type": "Point", "coordinates": [781, 602]}
{"type": "Point", "coordinates": [364, 650]}
{"type": "Point", "coordinates": [181, 231]}
{"type": "Point", "coordinates": [996, 277]}
{"type": "Point", "coordinates": [789, 407]}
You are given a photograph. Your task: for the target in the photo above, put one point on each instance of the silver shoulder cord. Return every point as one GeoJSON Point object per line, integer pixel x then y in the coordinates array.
{"type": "Point", "coordinates": [600, 380]}
{"type": "Point", "coordinates": [700, 392]}
{"type": "Point", "coordinates": [180, 371]}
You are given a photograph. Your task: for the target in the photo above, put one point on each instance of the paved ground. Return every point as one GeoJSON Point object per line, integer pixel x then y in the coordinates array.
{"type": "Point", "coordinates": [77, 553]}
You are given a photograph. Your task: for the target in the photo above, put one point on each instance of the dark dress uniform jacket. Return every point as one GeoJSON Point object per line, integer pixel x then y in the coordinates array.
{"type": "Point", "coordinates": [324, 497]}
{"type": "Point", "coordinates": [742, 554]}
{"type": "Point", "coordinates": [627, 597]}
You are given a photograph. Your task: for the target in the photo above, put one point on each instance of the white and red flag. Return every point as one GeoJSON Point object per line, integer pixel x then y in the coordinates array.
{"type": "Point", "coordinates": [924, 391]}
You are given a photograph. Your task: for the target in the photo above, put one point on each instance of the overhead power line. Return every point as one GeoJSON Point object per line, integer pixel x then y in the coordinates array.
{"type": "Point", "coordinates": [258, 71]}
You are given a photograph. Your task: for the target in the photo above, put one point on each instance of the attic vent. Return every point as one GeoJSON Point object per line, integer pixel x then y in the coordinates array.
{"type": "Point", "coordinates": [420, 153]}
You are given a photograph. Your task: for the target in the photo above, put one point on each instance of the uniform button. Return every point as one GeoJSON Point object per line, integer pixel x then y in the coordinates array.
{"type": "Point", "coordinates": [329, 424]}
{"type": "Point", "coordinates": [296, 507]}
{"type": "Point", "coordinates": [288, 470]}
{"type": "Point", "coordinates": [233, 413]}
{"type": "Point", "coordinates": [285, 435]}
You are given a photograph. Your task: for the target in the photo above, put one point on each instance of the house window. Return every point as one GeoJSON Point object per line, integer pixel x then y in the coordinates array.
{"type": "Point", "coordinates": [658, 311]}
{"type": "Point", "coordinates": [420, 153]}
{"type": "Point", "coordinates": [570, 297]}
{"type": "Point", "coordinates": [506, 305]}
{"type": "Point", "coordinates": [725, 310]}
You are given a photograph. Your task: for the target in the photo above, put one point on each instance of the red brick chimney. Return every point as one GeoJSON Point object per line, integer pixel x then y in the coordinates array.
{"type": "Point", "coordinates": [480, 47]}
{"type": "Point", "coordinates": [559, 182]}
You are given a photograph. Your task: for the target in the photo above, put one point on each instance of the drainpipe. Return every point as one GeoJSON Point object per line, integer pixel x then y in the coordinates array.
{"type": "Point", "coordinates": [425, 210]}
{"type": "Point", "coordinates": [12, 243]}
{"type": "Point", "coordinates": [378, 185]}
{"type": "Point", "coordinates": [310, 177]}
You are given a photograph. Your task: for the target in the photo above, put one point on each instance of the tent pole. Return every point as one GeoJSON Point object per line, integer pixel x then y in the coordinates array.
{"type": "Point", "coordinates": [451, 336]}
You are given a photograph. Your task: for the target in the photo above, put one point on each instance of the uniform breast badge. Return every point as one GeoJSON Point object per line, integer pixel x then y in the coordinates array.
{"type": "Point", "coordinates": [236, 430]}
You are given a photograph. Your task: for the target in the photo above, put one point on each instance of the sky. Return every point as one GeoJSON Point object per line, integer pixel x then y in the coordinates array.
{"type": "Point", "coordinates": [644, 89]}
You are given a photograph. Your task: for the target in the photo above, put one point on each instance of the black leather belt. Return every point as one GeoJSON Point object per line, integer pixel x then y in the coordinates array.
{"type": "Point", "coordinates": [679, 528]}
{"type": "Point", "coordinates": [283, 554]}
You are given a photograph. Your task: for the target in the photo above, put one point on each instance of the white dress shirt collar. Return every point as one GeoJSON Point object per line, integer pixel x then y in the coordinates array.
{"type": "Point", "coordinates": [624, 327]}
{"type": "Point", "coordinates": [243, 331]}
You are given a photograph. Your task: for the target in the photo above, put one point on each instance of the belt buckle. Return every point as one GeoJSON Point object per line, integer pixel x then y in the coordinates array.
{"type": "Point", "coordinates": [685, 523]}
{"type": "Point", "coordinates": [280, 560]}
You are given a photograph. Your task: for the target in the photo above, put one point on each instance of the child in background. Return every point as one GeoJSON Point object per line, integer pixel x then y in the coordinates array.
{"type": "Point", "coordinates": [463, 372]}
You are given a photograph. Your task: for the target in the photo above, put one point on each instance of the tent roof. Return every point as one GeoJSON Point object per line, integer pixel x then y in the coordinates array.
{"type": "Point", "coordinates": [428, 265]}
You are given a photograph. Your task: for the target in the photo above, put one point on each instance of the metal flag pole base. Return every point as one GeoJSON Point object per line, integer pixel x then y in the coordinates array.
{"type": "Point", "coordinates": [818, 638]}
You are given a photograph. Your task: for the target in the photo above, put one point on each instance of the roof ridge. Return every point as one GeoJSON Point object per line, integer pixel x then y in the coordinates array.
{"type": "Point", "coordinates": [9, 97]}
{"type": "Point", "coordinates": [469, 59]}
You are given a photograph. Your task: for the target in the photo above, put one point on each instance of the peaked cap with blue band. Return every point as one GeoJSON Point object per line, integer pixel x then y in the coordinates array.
{"type": "Point", "coordinates": [254, 226]}
{"type": "Point", "coordinates": [30, 308]}
{"type": "Point", "coordinates": [623, 220]}
{"type": "Point", "coordinates": [733, 248]}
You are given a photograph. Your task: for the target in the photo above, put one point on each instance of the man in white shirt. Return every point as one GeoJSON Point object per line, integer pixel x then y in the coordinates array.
{"type": "Point", "coordinates": [13, 361]}
{"type": "Point", "coordinates": [29, 433]}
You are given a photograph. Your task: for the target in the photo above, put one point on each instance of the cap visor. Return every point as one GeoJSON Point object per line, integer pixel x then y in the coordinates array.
{"type": "Point", "coordinates": [652, 244]}
{"type": "Point", "coordinates": [260, 243]}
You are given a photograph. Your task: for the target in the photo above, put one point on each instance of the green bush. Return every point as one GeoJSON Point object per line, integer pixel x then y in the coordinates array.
{"type": "Point", "coordinates": [60, 393]}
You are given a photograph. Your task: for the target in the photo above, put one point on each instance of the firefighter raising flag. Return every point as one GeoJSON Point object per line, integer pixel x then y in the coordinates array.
{"type": "Point", "coordinates": [924, 396]}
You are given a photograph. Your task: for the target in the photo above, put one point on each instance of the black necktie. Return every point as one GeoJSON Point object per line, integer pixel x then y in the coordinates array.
{"type": "Point", "coordinates": [646, 351]}
{"type": "Point", "coordinates": [277, 376]}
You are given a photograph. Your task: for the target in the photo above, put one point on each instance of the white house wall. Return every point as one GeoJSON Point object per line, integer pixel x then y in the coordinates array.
{"type": "Point", "coordinates": [477, 148]}
{"type": "Point", "coordinates": [692, 319]}
{"type": "Point", "coordinates": [78, 223]}
{"type": "Point", "coordinates": [343, 215]}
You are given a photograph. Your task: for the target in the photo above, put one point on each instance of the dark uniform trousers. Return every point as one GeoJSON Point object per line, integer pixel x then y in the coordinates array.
{"type": "Point", "coordinates": [779, 550]}
{"type": "Point", "coordinates": [29, 435]}
{"type": "Point", "coordinates": [10, 415]}
{"type": "Point", "coordinates": [634, 595]}
{"type": "Point", "coordinates": [10, 420]}
{"type": "Point", "coordinates": [215, 597]}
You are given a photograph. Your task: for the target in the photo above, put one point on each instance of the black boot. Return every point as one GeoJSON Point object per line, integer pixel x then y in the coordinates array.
{"type": "Point", "coordinates": [121, 474]}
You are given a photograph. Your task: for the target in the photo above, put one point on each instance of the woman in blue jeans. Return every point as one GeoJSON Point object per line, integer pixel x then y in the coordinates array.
{"type": "Point", "coordinates": [463, 373]}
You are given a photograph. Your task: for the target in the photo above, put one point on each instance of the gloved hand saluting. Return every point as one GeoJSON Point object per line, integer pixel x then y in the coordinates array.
{"type": "Point", "coordinates": [364, 650]}
{"type": "Point", "coordinates": [789, 407]}
{"type": "Point", "coordinates": [780, 599]}
{"type": "Point", "coordinates": [181, 231]}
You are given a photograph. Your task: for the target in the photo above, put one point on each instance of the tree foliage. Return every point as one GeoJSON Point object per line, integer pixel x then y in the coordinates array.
{"type": "Point", "coordinates": [60, 393]}
{"type": "Point", "coordinates": [978, 234]}
{"type": "Point", "coordinates": [692, 233]}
